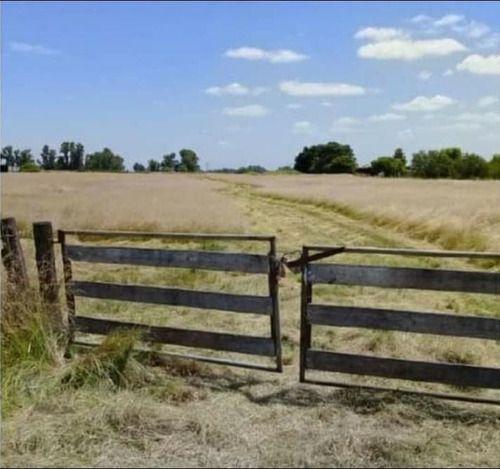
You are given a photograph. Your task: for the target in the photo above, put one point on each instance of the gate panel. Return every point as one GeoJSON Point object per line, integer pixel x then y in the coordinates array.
{"type": "Point", "coordinates": [207, 260]}
{"type": "Point", "coordinates": [396, 320]}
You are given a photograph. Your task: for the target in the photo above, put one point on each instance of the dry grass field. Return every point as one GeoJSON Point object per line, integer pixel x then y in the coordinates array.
{"type": "Point", "coordinates": [455, 214]}
{"type": "Point", "coordinates": [186, 415]}
{"type": "Point", "coordinates": [126, 202]}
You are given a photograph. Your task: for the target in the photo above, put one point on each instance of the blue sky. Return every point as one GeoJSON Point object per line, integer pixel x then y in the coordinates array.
{"type": "Point", "coordinates": [251, 82]}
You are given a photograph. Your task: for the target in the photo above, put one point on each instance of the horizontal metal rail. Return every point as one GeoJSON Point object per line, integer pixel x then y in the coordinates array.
{"type": "Point", "coordinates": [408, 252]}
{"type": "Point", "coordinates": [140, 234]}
{"type": "Point", "coordinates": [199, 358]}
{"type": "Point", "coordinates": [451, 397]}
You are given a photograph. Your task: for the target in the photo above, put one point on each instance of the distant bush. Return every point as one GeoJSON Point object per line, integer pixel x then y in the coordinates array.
{"type": "Point", "coordinates": [29, 168]}
{"type": "Point", "coordinates": [286, 170]}
{"type": "Point", "coordinates": [104, 160]}
{"type": "Point", "coordinates": [388, 166]}
{"type": "Point", "coordinates": [471, 166]}
{"type": "Point", "coordinates": [331, 157]}
{"type": "Point", "coordinates": [451, 163]}
{"type": "Point", "coordinates": [251, 169]}
{"type": "Point", "coordinates": [494, 167]}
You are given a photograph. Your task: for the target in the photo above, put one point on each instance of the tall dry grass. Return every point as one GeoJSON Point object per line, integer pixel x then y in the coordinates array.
{"type": "Point", "coordinates": [149, 202]}
{"type": "Point", "coordinates": [453, 214]}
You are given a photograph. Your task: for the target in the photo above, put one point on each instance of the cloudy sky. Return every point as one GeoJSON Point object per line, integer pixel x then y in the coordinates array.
{"type": "Point", "coordinates": [251, 83]}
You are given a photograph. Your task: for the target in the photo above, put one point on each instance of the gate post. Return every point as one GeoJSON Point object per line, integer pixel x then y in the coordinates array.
{"type": "Point", "coordinates": [305, 327]}
{"type": "Point", "coordinates": [47, 275]}
{"type": "Point", "coordinates": [12, 254]}
{"type": "Point", "coordinates": [274, 292]}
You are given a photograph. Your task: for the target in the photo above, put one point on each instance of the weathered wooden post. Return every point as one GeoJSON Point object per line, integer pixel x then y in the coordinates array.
{"type": "Point", "coordinates": [274, 293]}
{"type": "Point", "coordinates": [12, 255]}
{"type": "Point", "coordinates": [47, 275]}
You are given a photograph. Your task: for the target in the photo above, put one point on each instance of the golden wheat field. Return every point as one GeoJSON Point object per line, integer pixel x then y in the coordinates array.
{"type": "Point", "coordinates": [207, 415]}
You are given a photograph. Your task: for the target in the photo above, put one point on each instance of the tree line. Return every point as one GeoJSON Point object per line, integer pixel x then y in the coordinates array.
{"type": "Point", "coordinates": [71, 156]}
{"type": "Point", "coordinates": [334, 157]}
{"type": "Point", "coordinates": [188, 162]}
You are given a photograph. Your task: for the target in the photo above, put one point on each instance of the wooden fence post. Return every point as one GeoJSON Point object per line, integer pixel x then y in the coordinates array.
{"type": "Point", "coordinates": [12, 254]}
{"type": "Point", "coordinates": [305, 327]}
{"type": "Point", "coordinates": [275, 314]}
{"type": "Point", "coordinates": [46, 265]}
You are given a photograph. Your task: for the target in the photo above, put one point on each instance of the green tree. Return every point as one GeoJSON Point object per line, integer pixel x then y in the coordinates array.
{"type": "Point", "coordinates": [494, 167]}
{"type": "Point", "coordinates": [63, 161]}
{"type": "Point", "coordinates": [189, 161]}
{"type": "Point", "coordinates": [104, 160]}
{"type": "Point", "coordinates": [169, 162]}
{"type": "Point", "coordinates": [76, 157]}
{"type": "Point", "coordinates": [399, 155]}
{"type": "Point", "coordinates": [139, 168]}
{"type": "Point", "coordinates": [432, 164]}
{"type": "Point", "coordinates": [25, 157]}
{"type": "Point", "coordinates": [471, 166]}
{"type": "Point", "coordinates": [454, 153]}
{"type": "Point", "coordinates": [153, 166]}
{"type": "Point", "coordinates": [48, 158]}
{"type": "Point", "coordinates": [332, 157]}
{"type": "Point", "coordinates": [17, 158]}
{"type": "Point", "coordinates": [8, 155]}
{"type": "Point", "coordinates": [388, 166]}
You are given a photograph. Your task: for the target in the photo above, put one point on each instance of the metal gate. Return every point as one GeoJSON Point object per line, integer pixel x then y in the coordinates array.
{"type": "Point", "coordinates": [268, 305]}
{"type": "Point", "coordinates": [393, 320]}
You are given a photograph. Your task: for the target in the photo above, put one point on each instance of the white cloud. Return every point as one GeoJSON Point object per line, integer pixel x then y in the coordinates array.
{"type": "Point", "coordinates": [405, 134]}
{"type": "Point", "coordinates": [481, 64]}
{"type": "Point", "coordinates": [408, 49]}
{"type": "Point", "coordinates": [420, 19]}
{"type": "Point", "coordinates": [448, 72]}
{"type": "Point", "coordinates": [294, 106]}
{"type": "Point", "coordinates": [296, 88]}
{"type": "Point", "coordinates": [234, 89]}
{"type": "Point", "coordinates": [486, 118]}
{"type": "Point", "coordinates": [423, 103]}
{"type": "Point", "coordinates": [302, 127]}
{"type": "Point", "coordinates": [273, 56]}
{"type": "Point", "coordinates": [326, 103]}
{"type": "Point", "coordinates": [32, 48]}
{"type": "Point", "coordinates": [344, 121]}
{"type": "Point", "coordinates": [461, 126]}
{"type": "Point", "coordinates": [378, 34]}
{"type": "Point", "coordinates": [448, 19]}
{"type": "Point", "coordinates": [459, 24]}
{"type": "Point", "coordinates": [223, 143]}
{"type": "Point", "coordinates": [345, 124]}
{"type": "Point", "coordinates": [390, 116]}
{"type": "Point", "coordinates": [428, 117]}
{"type": "Point", "coordinates": [424, 75]}
{"type": "Point", "coordinates": [487, 101]}
{"type": "Point", "coordinates": [493, 40]}
{"type": "Point", "coordinates": [472, 29]}
{"type": "Point", "coordinates": [252, 110]}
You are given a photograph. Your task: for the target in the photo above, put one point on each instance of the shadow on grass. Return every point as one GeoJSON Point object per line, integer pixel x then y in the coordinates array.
{"type": "Point", "coordinates": [268, 391]}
